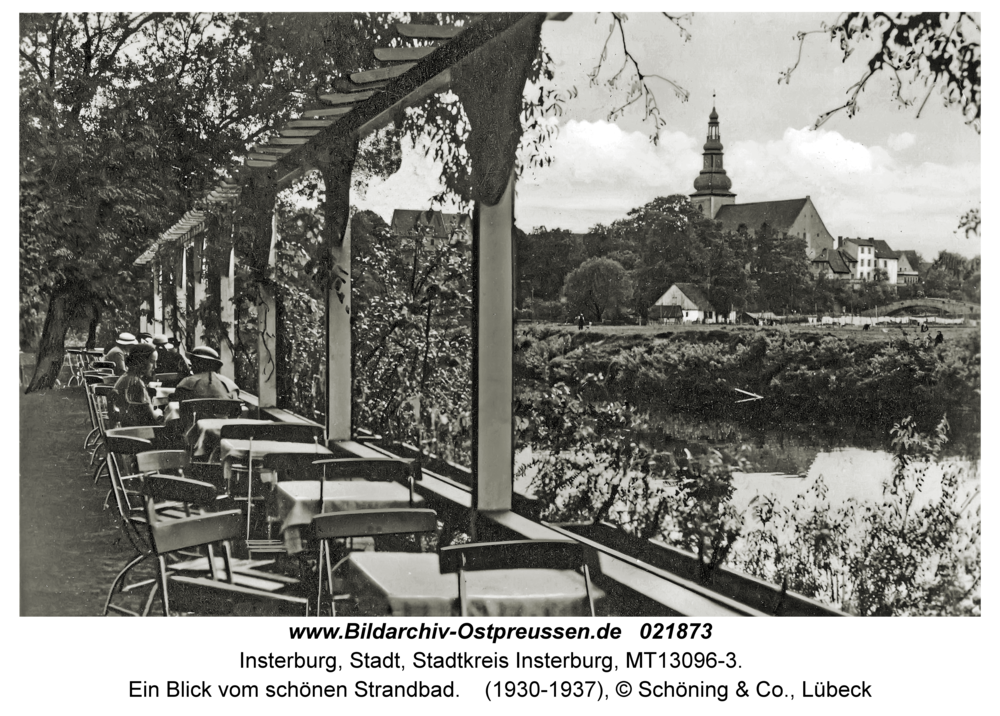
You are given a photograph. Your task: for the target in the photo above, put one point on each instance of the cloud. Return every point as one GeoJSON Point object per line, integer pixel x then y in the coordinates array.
{"type": "Point", "coordinates": [600, 171]}
{"type": "Point", "coordinates": [901, 141]}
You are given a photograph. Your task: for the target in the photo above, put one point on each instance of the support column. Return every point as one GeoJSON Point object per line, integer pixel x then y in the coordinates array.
{"type": "Point", "coordinates": [338, 367]}
{"type": "Point", "coordinates": [493, 256]}
{"type": "Point", "coordinates": [199, 286]}
{"type": "Point", "coordinates": [180, 294]}
{"type": "Point", "coordinates": [267, 350]}
{"type": "Point", "coordinates": [490, 84]}
{"type": "Point", "coordinates": [336, 165]}
{"type": "Point", "coordinates": [227, 287]}
{"type": "Point", "coordinates": [157, 300]}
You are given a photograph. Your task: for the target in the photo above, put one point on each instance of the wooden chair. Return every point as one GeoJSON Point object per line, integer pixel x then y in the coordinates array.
{"type": "Point", "coordinates": [363, 523]}
{"type": "Point", "coordinates": [218, 584]}
{"type": "Point", "coordinates": [515, 554]}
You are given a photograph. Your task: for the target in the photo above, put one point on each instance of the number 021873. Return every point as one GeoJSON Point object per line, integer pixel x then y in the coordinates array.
{"type": "Point", "coordinates": [675, 630]}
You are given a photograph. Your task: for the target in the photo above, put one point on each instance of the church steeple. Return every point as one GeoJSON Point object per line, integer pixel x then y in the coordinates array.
{"type": "Point", "coordinates": [712, 185]}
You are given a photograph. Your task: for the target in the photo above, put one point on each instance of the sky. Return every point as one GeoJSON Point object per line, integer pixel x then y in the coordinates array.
{"type": "Point", "coordinates": [885, 173]}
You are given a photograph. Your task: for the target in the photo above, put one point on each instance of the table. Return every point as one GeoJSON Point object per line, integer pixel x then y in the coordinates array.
{"type": "Point", "coordinates": [162, 396]}
{"type": "Point", "coordinates": [410, 584]}
{"type": "Point", "coordinates": [293, 504]}
{"type": "Point", "coordinates": [205, 435]}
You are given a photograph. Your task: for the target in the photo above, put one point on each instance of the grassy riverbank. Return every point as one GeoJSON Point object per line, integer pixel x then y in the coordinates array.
{"type": "Point", "coordinates": [805, 375]}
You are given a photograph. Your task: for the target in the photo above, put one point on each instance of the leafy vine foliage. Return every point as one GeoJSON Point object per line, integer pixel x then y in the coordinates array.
{"type": "Point", "coordinates": [938, 50]}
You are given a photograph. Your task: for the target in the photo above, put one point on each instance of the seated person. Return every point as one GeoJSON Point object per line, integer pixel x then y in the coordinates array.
{"type": "Point", "coordinates": [131, 396]}
{"type": "Point", "coordinates": [169, 360]}
{"type": "Point", "coordinates": [206, 381]}
{"type": "Point", "coordinates": [117, 352]}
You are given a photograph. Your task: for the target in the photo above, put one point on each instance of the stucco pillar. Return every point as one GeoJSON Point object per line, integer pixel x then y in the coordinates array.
{"type": "Point", "coordinates": [180, 294]}
{"type": "Point", "coordinates": [339, 373]}
{"type": "Point", "coordinates": [493, 264]}
{"type": "Point", "coordinates": [157, 300]}
{"type": "Point", "coordinates": [227, 285]}
{"type": "Point", "coordinates": [198, 258]}
{"type": "Point", "coordinates": [267, 351]}
{"type": "Point", "coordinates": [490, 84]}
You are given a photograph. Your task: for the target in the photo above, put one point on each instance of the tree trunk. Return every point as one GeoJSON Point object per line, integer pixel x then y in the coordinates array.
{"type": "Point", "coordinates": [51, 346]}
{"type": "Point", "coordinates": [95, 321]}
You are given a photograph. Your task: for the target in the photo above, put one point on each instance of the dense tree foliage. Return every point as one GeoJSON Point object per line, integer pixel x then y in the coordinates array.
{"type": "Point", "coordinates": [597, 288]}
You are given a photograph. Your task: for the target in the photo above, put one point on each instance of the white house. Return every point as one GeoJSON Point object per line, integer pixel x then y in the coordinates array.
{"type": "Point", "coordinates": [693, 304]}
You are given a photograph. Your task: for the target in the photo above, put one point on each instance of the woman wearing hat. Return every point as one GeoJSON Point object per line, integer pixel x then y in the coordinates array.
{"type": "Point", "coordinates": [131, 397]}
{"type": "Point", "coordinates": [206, 382]}
{"type": "Point", "coordinates": [169, 360]}
{"type": "Point", "coordinates": [117, 353]}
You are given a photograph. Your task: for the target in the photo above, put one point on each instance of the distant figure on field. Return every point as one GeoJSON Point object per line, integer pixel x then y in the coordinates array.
{"type": "Point", "coordinates": [579, 322]}
{"type": "Point", "coordinates": [866, 327]}
{"type": "Point", "coordinates": [924, 328]}
{"type": "Point", "coordinates": [938, 339]}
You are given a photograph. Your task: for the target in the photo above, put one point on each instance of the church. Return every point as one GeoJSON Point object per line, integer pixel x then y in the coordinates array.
{"type": "Point", "coordinates": [713, 196]}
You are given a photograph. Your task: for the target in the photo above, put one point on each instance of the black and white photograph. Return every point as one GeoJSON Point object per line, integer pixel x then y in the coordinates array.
{"type": "Point", "coordinates": [500, 314]}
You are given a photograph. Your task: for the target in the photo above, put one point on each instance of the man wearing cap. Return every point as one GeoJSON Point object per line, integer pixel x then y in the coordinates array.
{"type": "Point", "coordinates": [206, 382]}
{"type": "Point", "coordinates": [170, 361]}
{"type": "Point", "coordinates": [117, 353]}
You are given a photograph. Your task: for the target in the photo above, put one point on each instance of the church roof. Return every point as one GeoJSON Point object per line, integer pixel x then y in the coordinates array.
{"type": "Point", "coordinates": [779, 215]}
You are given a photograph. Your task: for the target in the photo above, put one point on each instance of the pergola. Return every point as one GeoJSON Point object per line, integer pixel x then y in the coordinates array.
{"type": "Point", "coordinates": [486, 64]}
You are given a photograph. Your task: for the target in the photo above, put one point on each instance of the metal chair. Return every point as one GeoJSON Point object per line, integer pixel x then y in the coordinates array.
{"type": "Point", "coordinates": [217, 584]}
{"type": "Point", "coordinates": [272, 432]}
{"type": "Point", "coordinates": [515, 554]}
{"type": "Point", "coordinates": [363, 523]}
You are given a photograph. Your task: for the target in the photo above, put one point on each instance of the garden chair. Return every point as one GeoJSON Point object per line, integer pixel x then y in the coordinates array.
{"type": "Point", "coordinates": [516, 554]}
{"type": "Point", "coordinates": [363, 523]}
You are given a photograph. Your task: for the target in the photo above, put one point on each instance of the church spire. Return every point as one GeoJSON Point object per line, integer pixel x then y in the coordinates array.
{"type": "Point", "coordinates": [712, 186]}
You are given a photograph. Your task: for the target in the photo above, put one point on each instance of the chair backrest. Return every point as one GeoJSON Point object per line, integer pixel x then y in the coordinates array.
{"type": "Point", "coordinates": [361, 523]}
{"type": "Point", "coordinates": [173, 488]}
{"type": "Point", "coordinates": [169, 380]}
{"type": "Point", "coordinates": [199, 408]}
{"type": "Point", "coordinates": [153, 433]}
{"type": "Point", "coordinates": [514, 554]}
{"type": "Point", "coordinates": [277, 432]}
{"type": "Point", "coordinates": [377, 469]}
{"type": "Point", "coordinates": [126, 445]}
{"type": "Point", "coordinates": [110, 379]}
{"type": "Point", "coordinates": [93, 379]}
{"type": "Point", "coordinates": [293, 466]}
{"type": "Point", "coordinates": [160, 460]}
{"type": "Point", "coordinates": [103, 364]}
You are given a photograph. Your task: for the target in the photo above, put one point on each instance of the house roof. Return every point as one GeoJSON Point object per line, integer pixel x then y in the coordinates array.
{"type": "Point", "coordinates": [407, 221]}
{"type": "Point", "coordinates": [695, 296]}
{"type": "Point", "coordinates": [911, 258]}
{"type": "Point", "coordinates": [882, 250]}
{"type": "Point", "coordinates": [840, 261]}
{"type": "Point", "coordinates": [779, 215]}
